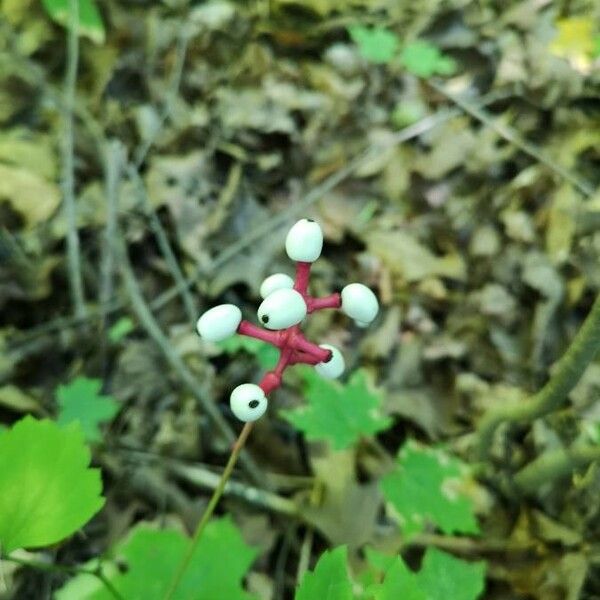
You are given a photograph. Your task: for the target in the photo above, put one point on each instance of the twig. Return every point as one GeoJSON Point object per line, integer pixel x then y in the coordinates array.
{"type": "Point", "coordinates": [68, 177]}
{"type": "Point", "coordinates": [280, 481]}
{"type": "Point", "coordinates": [515, 138]}
{"type": "Point", "coordinates": [467, 545]}
{"type": "Point", "coordinates": [235, 452]}
{"type": "Point", "coordinates": [569, 370]}
{"type": "Point", "coordinates": [203, 477]}
{"type": "Point", "coordinates": [151, 326]}
{"type": "Point", "coordinates": [164, 245]}
{"type": "Point", "coordinates": [113, 158]}
{"type": "Point", "coordinates": [70, 569]}
{"type": "Point", "coordinates": [553, 466]}
{"type": "Point", "coordinates": [182, 45]}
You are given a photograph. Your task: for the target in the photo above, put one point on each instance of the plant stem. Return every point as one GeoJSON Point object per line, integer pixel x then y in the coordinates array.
{"type": "Point", "coordinates": [569, 370]}
{"type": "Point", "coordinates": [68, 178]}
{"type": "Point", "coordinates": [235, 452]}
{"type": "Point", "coordinates": [551, 466]}
{"type": "Point", "coordinates": [54, 568]}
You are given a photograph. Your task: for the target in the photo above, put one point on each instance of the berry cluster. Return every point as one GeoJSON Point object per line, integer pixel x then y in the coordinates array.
{"type": "Point", "coordinates": [286, 302]}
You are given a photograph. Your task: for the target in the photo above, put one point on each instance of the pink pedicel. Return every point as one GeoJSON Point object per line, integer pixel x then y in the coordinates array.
{"type": "Point", "coordinates": [293, 346]}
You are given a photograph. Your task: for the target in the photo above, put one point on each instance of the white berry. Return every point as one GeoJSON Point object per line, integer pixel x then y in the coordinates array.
{"type": "Point", "coordinates": [278, 281]}
{"type": "Point", "coordinates": [304, 241]}
{"type": "Point", "coordinates": [361, 324]}
{"type": "Point", "coordinates": [219, 322]}
{"type": "Point", "coordinates": [334, 367]}
{"type": "Point", "coordinates": [360, 303]}
{"type": "Point", "coordinates": [282, 309]}
{"type": "Point", "coordinates": [248, 402]}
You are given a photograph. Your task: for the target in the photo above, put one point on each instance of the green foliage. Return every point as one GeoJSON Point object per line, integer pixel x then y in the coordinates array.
{"type": "Point", "coordinates": [266, 354]}
{"type": "Point", "coordinates": [442, 576]}
{"type": "Point", "coordinates": [81, 401]}
{"type": "Point", "coordinates": [120, 329]}
{"type": "Point", "coordinates": [380, 46]}
{"type": "Point", "coordinates": [47, 489]}
{"type": "Point", "coordinates": [399, 580]}
{"type": "Point", "coordinates": [337, 413]}
{"type": "Point", "coordinates": [424, 59]}
{"type": "Point", "coordinates": [377, 45]}
{"type": "Point", "coordinates": [329, 580]}
{"type": "Point", "coordinates": [90, 21]}
{"type": "Point", "coordinates": [152, 556]}
{"type": "Point", "coordinates": [425, 488]}
{"type": "Point", "coordinates": [596, 47]}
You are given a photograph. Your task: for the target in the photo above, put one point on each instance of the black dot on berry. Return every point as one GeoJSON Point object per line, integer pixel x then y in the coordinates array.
{"type": "Point", "coordinates": [310, 220]}
{"type": "Point", "coordinates": [265, 318]}
{"type": "Point", "coordinates": [253, 403]}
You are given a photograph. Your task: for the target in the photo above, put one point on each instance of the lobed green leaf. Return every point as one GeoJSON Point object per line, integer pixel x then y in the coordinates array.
{"type": "Point", "coordinates": [80, 401]}
{"type": "Point", "coordinates": [152, 556]}
{"type": "Point", "coordinates": [425, 487]}
{"type": "Point", "coordinates": [337, 413]}
{"type": "Point", "coordinates": [47, 489]}
{"type": "Point", "coordinates": [329, 580]}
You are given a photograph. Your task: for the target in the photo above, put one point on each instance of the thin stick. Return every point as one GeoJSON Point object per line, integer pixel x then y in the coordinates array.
{"type": "Point", "coordinates": [205, 478]}
{"type": "Point", "coordinates": [235, 452]}
{"type": "Point", "coordinates": [113, 157]}
{"type": "Point", "coordinates": [515, 138]}
{"type": "Point", "coordinates": [54, 568]}
{"type": "Point", "coordinates": [569, 370]}
{"type": "Point", "coordinates": [164, 246]}
{"type": "Point", "coordinates": [177, 74]}
{"type": "Point", "coordinates": [151, 326]}
{"type": "Point", "coordinates": [68, 177]}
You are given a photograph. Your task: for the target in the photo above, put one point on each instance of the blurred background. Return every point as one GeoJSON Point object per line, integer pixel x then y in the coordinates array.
{"type": "Point", "coordinates": [150, 167]}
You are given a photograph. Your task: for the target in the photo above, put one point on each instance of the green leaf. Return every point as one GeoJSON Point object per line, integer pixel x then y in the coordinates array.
{"type": "Point", "coordinates": [90, 21]}
{"type": "Point", "coordinates": [81, 401]}
{"type": "Point", "coordinates": [425, 488]}
{"type": "Point", "coordinates": [424, 59]}
{"type": "Point", "coordinates": [377, 45]}
{"type": "Point", "coordinates": [399, 582]}
{"type": "Point", "coordinates": [443, 576]}
{"type": "Point", "coordinates": [120, 329]}
{"type": "Point", "coordinates": [339, 414]}
{"type": "Point", "coordinates": [266, 354]}
{"type": "Point", "coordinates": [596, 47]}
{"type": "Point", "coordinates": [152, 557]}
{"type": "Point", "coordinates": [329, 580]}
{"type": "Point", "coordinates": [47, 489]}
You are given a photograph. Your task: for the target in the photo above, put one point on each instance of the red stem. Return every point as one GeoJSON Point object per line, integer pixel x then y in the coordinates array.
{"type": "Point", "coordinates": [248, 329]}
{"type": "Point", "coordinates": [332, 301]}
{"type": "Point", "coordinates": [302, 277]}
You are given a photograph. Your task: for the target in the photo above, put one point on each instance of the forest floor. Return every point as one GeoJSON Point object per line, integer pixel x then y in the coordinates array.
{"type": "Point", "coordinates": [450, 152]}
